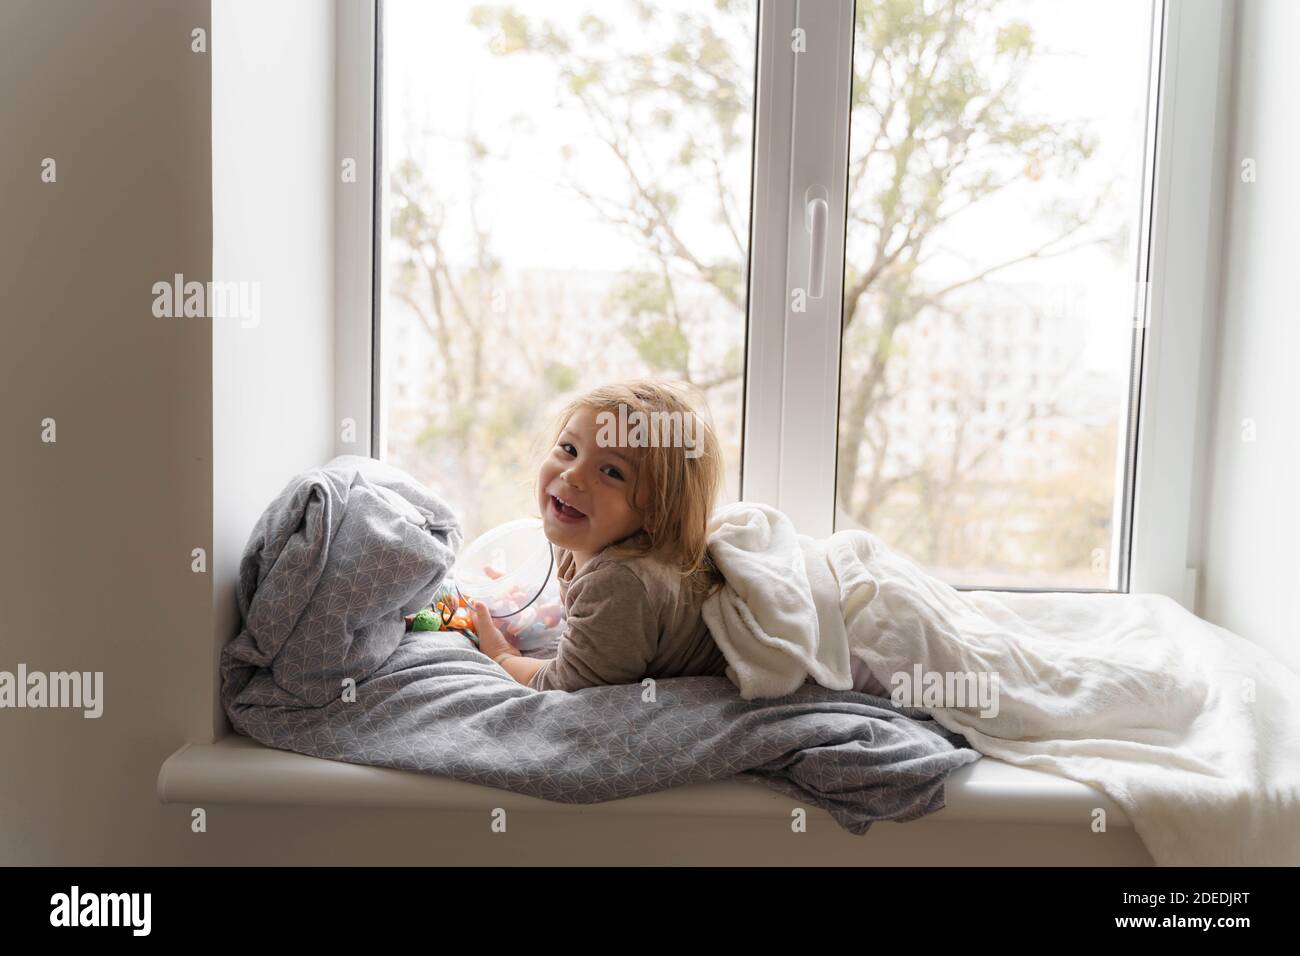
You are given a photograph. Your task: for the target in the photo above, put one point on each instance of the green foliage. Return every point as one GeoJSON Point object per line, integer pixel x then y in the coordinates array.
{"type": "Point", "coordinates": [642, 293]}
{"type": "Point", "coordinates": [506, 419]}
{"type": "Point", "coordinates": [410, 219]}
{"type": "Point", "coordinates": [594, 28]}
{"type": "Point", "coordinates": [514, 32]}
{"type": "Point", "coordinates": [559, 377]}
{"type": "Point", "coordinates": [734, 361]}
{"type": "Point", "coordinates": [579, 80]}
{"type": "Point", "coordinates": [1015, 38]}
{"type": "Point", "coordinates": [660, 345]}
{"type": "Point", "coordinates": [478, 150]}
{"type": "Point", "coordinates": [406, 276]}
{"type": "Point", "coordinates": [446, 426]}
{"type": "Point", "coordinates": [728, 278]}
{"type": "Point", "coordinates": [511, 27]}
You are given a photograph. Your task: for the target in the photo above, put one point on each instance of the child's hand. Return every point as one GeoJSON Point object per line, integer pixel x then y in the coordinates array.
{"type": "Point", "coordinates": [490, 639]}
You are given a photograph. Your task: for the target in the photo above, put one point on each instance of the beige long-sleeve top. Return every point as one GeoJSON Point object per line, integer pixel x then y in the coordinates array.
{"type": "Point", "coordinates": [626, 619]}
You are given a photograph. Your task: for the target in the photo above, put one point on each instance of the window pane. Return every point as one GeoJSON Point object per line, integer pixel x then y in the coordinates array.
{"type": "Point", "coordinates": [568, 190]}
{"type": "Point", "coordinates": [997, 159]}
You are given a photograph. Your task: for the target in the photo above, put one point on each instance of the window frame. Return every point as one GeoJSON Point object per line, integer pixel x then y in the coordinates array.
{"type": "Point", "coordinates": [1186, 226]}
{"type": "Point", "coordinates": [790, 416]}
{"type": "Point", "coordinates": [357, 210]}
{"type": "Point", "coordinates": [793, 361]}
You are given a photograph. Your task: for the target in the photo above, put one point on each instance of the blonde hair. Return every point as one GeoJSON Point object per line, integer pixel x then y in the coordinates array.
{"type": "Point", "coordinates": [683, 488]}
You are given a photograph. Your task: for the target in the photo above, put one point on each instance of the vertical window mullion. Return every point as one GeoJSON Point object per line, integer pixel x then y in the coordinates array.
{"type": "Point", "coordinates": [769, 225]}
{"type": "Point", "coordinates": [800, 157]}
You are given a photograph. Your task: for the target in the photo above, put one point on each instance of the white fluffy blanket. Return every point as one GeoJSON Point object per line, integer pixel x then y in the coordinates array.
{"type": "Point", "coordinates": [1193, 730]}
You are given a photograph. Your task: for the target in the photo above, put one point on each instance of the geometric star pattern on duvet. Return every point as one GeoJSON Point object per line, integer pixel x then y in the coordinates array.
{"type": "Point", "coordinates": [346, 551]}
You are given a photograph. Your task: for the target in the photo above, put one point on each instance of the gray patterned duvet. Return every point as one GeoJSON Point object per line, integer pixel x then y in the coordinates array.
{"type": "Point", "coordinates": [324, 666]}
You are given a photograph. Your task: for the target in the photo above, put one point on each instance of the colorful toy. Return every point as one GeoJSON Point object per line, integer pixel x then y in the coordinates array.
{"type": "Point", "coordinates": [510, 568]}
{"type": "Point", "coordinates": [427, 620]}
{"type": "Point", "coordinates": [450, 612]}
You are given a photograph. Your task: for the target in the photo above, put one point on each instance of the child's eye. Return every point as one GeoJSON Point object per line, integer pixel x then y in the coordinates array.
{"type": "Point", "coordinates": [614, 472]}
{"type": "Point", "coordinates": [566, 446]}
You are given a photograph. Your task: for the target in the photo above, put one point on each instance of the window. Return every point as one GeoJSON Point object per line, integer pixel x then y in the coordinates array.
{"type": "Point", "coordinates": [568, 190]}
{"type": "Point", "coordinates": [996, 169]}
{"type": "Point", "coordinates": [912, 251]}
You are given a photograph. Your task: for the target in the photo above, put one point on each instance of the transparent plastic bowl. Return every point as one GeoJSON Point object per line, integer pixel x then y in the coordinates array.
{"type": "Point", "coordinates": [506, 568]}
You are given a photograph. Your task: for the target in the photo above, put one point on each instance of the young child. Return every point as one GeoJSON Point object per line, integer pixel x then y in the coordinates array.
{"type": "Point", "coordinates": [627, 512]}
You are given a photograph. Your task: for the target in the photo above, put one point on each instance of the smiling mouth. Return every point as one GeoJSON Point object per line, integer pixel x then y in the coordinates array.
{"type": "Point", "coordinates": [565, 511]}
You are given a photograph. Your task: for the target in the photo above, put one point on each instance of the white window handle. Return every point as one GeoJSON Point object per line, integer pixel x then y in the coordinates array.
{"type": "Point", "coordinates": [816, 210]}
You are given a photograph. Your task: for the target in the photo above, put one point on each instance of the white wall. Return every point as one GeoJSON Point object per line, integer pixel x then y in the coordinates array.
{"type": "Point", "coordinates": [1251, 549]}
{"type": "Point", "coordinates": [273, 175]}
{"type": "Point", "coordinates": [98, 527]}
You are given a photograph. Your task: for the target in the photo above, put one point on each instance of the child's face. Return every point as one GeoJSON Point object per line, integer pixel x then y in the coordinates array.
{"type": "Point", "coordinates": [595, 481]}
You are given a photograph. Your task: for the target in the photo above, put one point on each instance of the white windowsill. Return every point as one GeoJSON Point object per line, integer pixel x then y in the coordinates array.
{"type": "Point", "coordinates": [238, 770]}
